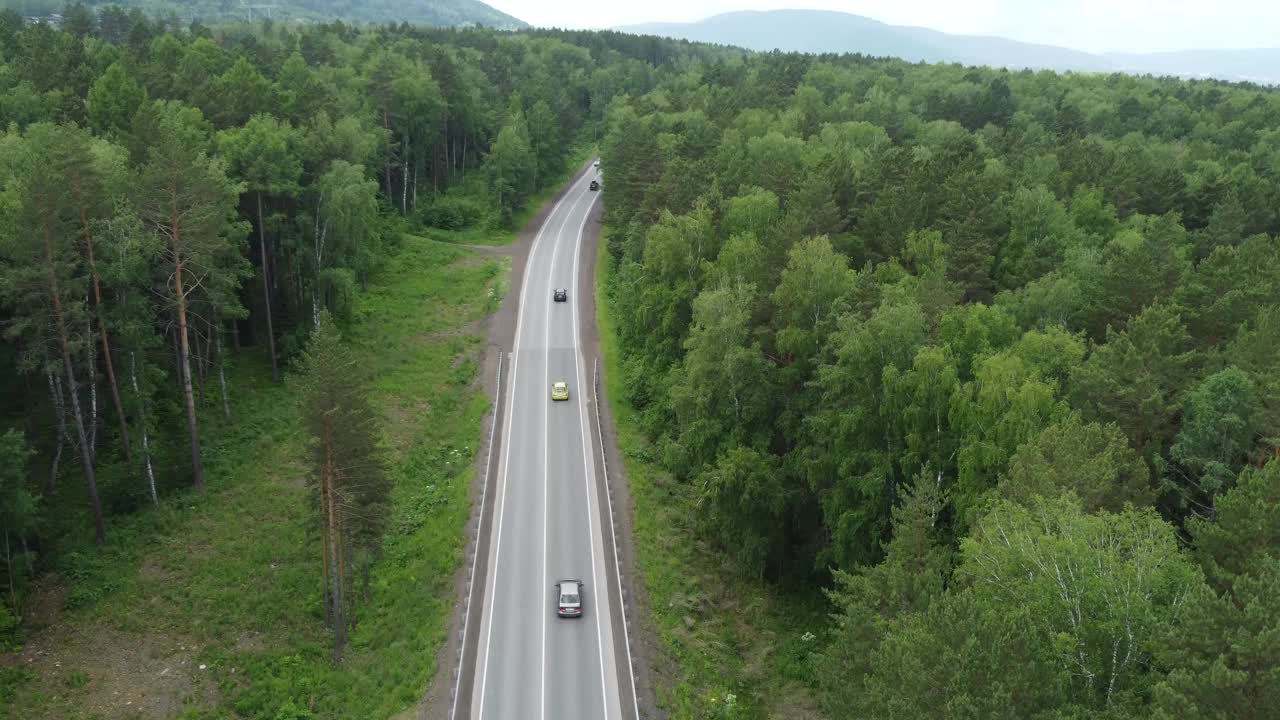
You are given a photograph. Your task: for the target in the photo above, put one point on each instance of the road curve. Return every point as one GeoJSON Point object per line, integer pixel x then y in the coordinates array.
{"type": "Point", "coordinates": [548, 521]}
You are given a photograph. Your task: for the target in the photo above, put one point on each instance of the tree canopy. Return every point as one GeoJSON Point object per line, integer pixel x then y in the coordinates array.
{"type": "Point", "coordinates": [1040, 306]}
{"type": "Point", "coordinates": [175, 199]}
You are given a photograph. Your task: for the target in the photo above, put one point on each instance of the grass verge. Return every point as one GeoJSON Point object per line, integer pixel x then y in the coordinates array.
{"type": "Point", "coordinates": [732, 647]}
{"type": "Point", "coordinates": [209, 607]}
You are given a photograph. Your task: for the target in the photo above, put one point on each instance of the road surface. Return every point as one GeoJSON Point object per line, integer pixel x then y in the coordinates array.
{"type": "Point", "coordinates": [547, 524]}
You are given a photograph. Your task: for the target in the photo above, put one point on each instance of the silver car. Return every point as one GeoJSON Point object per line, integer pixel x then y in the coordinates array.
{"type": "Point", "coordinates": [569, 598]}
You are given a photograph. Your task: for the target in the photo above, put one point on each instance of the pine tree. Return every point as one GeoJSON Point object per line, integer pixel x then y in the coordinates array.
{"type": "Point", "coordinates": [113, 99]}
{"type": "Point", "coordinates": [264, 154]}
{"type": "Point", "coordinates": [90, 202]}
{"type": "Point", "coordinates": [46, 282]}
{"type": "Point", "coordinates": [912, 577]}
{"type": "Point", "coordinates": [348, 477]}
{"type": "Point", "coordinates": [18, 512]}
{"type": "Point", "coordinates": [128, 254]}
{"type": "Point", "coordinates": [185, 197]}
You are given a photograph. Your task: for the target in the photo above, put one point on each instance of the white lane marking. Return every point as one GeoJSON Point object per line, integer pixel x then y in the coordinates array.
{"type": "Point", "coordinates": [471, 586]}
{"type": "Point", "coordinates": [506, 440]}
{"type": "Point", "coordinates": [617, 563]}
{"type": "Point", "coordinates": [546, 458]}
{"type": "Point", "coordinates": [586, 459]}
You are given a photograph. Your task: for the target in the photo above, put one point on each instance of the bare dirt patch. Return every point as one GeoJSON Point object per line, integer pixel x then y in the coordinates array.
{"type": "Point", "coordinates": [488, 249]}
{"type": "Point", "coordinates": [44, 606]}
{"type": "Point", "coordinates": [153, 571]}
{"type": "Point", "coordinates": [473, 259]}
{"type": "Point", "coordinates": [250, 642]}
{"type": "Point", "coordinates": [475, 328]}
{"type": "Point", "coordinates": [90, 670]}
{"type": "Point", "coordinates": [399, 420]}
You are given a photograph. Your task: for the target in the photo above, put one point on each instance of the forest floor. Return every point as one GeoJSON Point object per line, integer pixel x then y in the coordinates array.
{"type": "Point", "coordinates": [209, 607]}
{"type": "Point", "coordinates": [722, 645]}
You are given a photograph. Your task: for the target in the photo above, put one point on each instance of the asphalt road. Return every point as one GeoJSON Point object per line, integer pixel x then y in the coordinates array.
{"type": "Point", "coordinates": [529, 663]}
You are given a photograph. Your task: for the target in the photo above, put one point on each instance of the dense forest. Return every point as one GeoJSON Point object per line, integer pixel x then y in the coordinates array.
{"type": "Point", "coordinates": [441, 13]}
{"type": "Point", "coordinates": [175, 199]}
{"type": "Point", "coordinates": [990, 357]}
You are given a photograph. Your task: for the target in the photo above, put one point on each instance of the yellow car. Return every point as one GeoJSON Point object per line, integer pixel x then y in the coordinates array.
{"type": "Point", "coordinates": [560, 391]}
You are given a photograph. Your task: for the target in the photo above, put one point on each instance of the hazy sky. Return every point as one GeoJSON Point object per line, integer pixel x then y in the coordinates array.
{"type": "Point", "coordinates": [1093, 25]}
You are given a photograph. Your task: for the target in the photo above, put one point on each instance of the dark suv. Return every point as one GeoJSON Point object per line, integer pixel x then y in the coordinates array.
{"type": "Point", "coordinates": [560, 295]}
{"type": "Point", "coordinates": [595, 185]}
{"type": "Point", "coordinates": [569, 598]}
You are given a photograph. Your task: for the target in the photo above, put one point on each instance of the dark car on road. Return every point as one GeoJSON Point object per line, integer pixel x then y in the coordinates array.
{"type": "Point", "coordinates": [569, 598]}
{"type": "Point", "coordinates": [560, 294]}
{"type": "Point", "coordinates": [595, 185]}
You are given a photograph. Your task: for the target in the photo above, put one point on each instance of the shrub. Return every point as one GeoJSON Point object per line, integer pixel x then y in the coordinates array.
{"type": "Point", "coordinates": [8, 629]}
{"type": "Point", "coordinates": [453, 212]}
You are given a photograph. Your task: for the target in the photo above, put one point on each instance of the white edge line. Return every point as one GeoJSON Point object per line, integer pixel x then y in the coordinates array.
{"type": "Point", "coordinates": [617, 563]}
{"type": "Point", "coordinates": [475, 558]}
{"type": "Point", "coordinates": [586, 459]}
{"type": "Point", "coordinates": [546, 471]}
{"type": "Point", "coordinates": [622, 603]}
{"type": "Point", "coordinates": [506, 439]}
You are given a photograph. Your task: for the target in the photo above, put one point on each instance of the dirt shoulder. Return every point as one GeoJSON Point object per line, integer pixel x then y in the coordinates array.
{"type": "Point", "coordinates": [437, 703]}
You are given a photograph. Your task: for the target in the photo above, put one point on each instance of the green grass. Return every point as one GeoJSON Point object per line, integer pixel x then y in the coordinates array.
{"type": "Point", "coordinates": [233, 576]}
{"type": "Point", "coordinates": [732, 647]}
{"type": "Point", "coordinates": [11, 679]}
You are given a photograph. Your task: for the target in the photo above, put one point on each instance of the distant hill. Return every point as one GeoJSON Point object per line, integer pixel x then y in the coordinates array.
{"type": "Point", "coordinates": [441, 13]}
{"type": "Point", "coordinates": [822, 31]}
{"type": "Point", "coordinates": [1261, 65]}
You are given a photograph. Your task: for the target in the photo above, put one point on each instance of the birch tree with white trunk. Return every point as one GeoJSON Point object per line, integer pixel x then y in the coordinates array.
{"type": "Point", "coordinates": [346, 238]}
